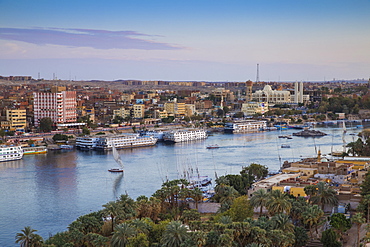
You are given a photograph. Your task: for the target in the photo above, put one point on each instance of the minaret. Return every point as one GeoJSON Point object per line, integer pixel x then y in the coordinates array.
{"type": "Point", "coordinates": [296, 92]}
{"type": "Point", "coordinates": [301, 92]}
{"type": "Point", "coordinates": [248, 91]}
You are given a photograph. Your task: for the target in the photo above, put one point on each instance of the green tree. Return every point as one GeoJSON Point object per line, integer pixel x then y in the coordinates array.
{"type": "Point", "coordinates": [225, 194]}
{"type": "Point", "coordinates": [324, 195]}
{"type": "Point", "coordinates": [175, 234]}
{"type": "Point", "coordinates": [301, 237]}
{"type": "Point", "coordinates": [340, 223]}
{"type": "Point", "coordinates": [358, 219]}
{"type": "Point", "coordinates": [46, 124]}
{"type": "Point", "coordinates": [197, 195]}
{"type": "Point", "coordinates": [282, 222]}
{"type": "Point", "coordinates": [298, 206]}
{"type": "Point", "coordinates": [240, 182]}
{"type": "Point", "coordinates": [259, 199]}
{"type": "Point", "coordinates": [365, 185]}
{"type": "Point", "coordinates": [281, 238]}
{"type": "Point", "coordinates": [111, 210]}
{"type": "Point", "coordinates": [311, 217]}
{"type": "Point", "coordinates": [96, 240]}
{"type": "Point", "coordinates": [122, 233]}
{"type": "Point", "coordinates": [60, 137]}
{"type": "Point", "coordinates": [85, 131]}
{"type": "Point", "coordinates": [240, 209]}
{"type": "Point", "coordinates": [190, 215]}
{"type": "Point", "coordinates": [278, 202]}
{"type": "Point", "coordinates": [2, 134]}
{"type": "Point", "coordinates": [256, 170]}
{"type": "Point", "coordinates": [329, 238]}
{"type": "Point", "coordinates": [139, 240]}
{"type": "Point", "coordinates": [239, 114]}
{"type": "Point", "coordinates": [27, 238]}
{"type": "Point", "coordinates": [90, 223]}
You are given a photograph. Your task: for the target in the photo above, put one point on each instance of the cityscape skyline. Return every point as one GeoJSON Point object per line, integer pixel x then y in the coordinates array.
{"type": "Point", "coordinates": [192, 40]}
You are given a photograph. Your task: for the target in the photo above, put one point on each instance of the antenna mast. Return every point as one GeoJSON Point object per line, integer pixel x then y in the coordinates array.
{"type": "Point", "coordinates": [258, 73]}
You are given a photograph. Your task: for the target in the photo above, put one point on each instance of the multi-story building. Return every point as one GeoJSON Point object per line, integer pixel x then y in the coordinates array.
{"type": "Point", "coordinates": [122, 112]}
{"type": "Point", "coordinates": [134, 111]}
{"type": "Point", "coordinates": [15, 119]}
{"type": "Point", "coordinates": [139, 110]}
{"type": "Point", "coordinates": [251, 108]}
{"type": "Point", "coordinates": [176, 109]}
{"type": "Point", "coordinates": [60, 106]}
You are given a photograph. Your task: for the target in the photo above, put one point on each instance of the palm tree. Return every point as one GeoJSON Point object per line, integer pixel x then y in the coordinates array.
{"type": "Point", "coordinates": [282, 222]}
{"type": "Point", "coordinates": [358, 219]}
{"type": "Point", "coordinates": [324, 195]}
{"type": "Point", "coordinates": [366, 200]}
{"type": "Point", "coordinates": [259, 199]}
{"type": "Point", "coordinates": [122, 234]}
{"type": "Point", "coordinates": [27, 238]}
{"type": "Point", "coordinates": [197, 196]}
{"type": "Point", "coordinates": [226, 195]}
{"type": "Point", "coordinates": [111, 209]}
{"type": "Point", "coordinates": [311, 217]}
{"type": "Point", "coordinates": [278, 202]}
{"type": "Point", "coordinates": [175, 234]}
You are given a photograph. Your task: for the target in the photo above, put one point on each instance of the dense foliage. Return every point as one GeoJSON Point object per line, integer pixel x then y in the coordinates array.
{"type": "Point", "coordinates": [166, 220]}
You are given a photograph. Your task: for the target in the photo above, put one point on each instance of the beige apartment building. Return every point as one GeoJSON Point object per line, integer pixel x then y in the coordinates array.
{"type": "Point", "coordinates": [15, 119]}
{"type": "Point", "coordinates": [135, 111]}
{"type": "Point", "coordinates": [251, 108]}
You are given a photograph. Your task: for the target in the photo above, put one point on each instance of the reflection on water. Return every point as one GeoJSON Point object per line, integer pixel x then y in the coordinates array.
{"type": "Point", "coordinates": [49, 191]}
{"type": "Point", "coordinates": [117, 184]}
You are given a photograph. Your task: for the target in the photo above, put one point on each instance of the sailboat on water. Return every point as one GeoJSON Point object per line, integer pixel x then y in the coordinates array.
{"type": "Point", "coordinates": [117, 158]}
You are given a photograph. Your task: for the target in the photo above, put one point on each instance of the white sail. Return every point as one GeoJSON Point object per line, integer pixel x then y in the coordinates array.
{"type": "Point", "coordinates": [116, 156]}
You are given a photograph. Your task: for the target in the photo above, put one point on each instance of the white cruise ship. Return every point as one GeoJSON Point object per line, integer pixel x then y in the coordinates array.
{"type": "Point", "coordinates": [86, 142]}
{"type": "Point", "coordinates": [154, 133]}
{"type": "Point", "coordinates": [184, 135]}
{"type": "Point", "coordinates": [10, 152]}
{"type": "Point", "coordinates": [244, 126]}
{"type": "Point", "coordinates": [125, 141]}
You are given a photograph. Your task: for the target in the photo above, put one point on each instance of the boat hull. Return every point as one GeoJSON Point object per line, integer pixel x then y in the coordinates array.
{"type": "Point", "coordinates": [115, 170]}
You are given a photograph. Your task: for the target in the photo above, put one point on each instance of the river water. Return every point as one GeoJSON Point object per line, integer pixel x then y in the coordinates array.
{"type": "Point", "coordinates": [49, 191]}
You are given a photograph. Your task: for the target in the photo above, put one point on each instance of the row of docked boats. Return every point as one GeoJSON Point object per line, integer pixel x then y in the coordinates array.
{"type": "Point", "coordinates": [9, 152]}
{"type": "Point", "coordinates": [142, 139]}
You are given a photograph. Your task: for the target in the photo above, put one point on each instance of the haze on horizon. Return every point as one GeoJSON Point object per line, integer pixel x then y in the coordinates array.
{"type": "Point", "coordinates": [186, 40]}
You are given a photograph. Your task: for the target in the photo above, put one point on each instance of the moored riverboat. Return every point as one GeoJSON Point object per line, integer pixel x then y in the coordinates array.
{"type": "Point", "coordinates": [184, 135]}
{"type": "Point", "coordinates": [35, 150]}
{"type": "Point", "coordinates": [10, 152]}
{"type": "Point", "coordinates": [244, 126]}
{"type": "Point", "coordinates": [125, 141]}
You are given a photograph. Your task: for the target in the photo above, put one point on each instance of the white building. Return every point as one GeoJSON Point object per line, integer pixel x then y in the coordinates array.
{"type": "Point", "coordinates": [61, 107]}
{"type": "Point", "coordinates": [281, 97]}
{"type": "Point", "coordinates": [272, 96]}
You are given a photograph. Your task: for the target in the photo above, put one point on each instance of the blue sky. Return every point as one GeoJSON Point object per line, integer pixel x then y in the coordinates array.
{"type": "Point", "coordinates": [200, 40]}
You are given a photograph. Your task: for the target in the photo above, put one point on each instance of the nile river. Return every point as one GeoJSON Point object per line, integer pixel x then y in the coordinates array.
{"type": "Point", "coordinates": [49, 191]}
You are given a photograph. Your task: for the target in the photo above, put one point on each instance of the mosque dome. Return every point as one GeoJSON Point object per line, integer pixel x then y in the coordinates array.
{"type": "Point", "coordinates": [267, 88]}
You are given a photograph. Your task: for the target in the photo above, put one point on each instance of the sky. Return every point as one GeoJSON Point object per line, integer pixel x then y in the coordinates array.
{"type": "Point", "coordinates": [200, 40]}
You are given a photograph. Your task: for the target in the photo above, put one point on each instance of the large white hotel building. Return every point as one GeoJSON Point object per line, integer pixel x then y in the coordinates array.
{"type": "Point", "coordinates": [60, 106]}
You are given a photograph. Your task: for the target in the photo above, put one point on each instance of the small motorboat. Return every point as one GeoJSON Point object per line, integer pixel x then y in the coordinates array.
{"type": "Point", "coordinates": [285, 146]}
{"type": "Point", "coordinates": [116, 170]}
{"type": "Point", "coordinates": [212, 147]}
